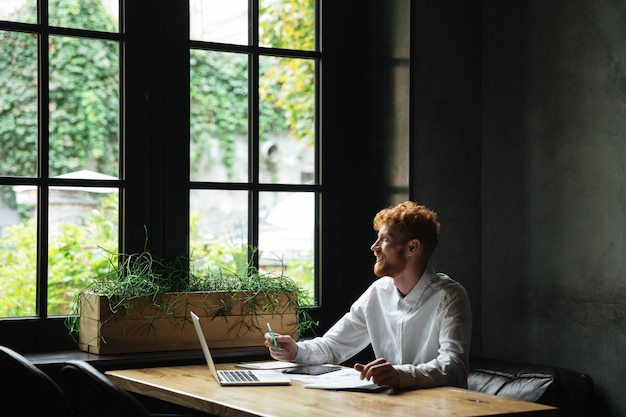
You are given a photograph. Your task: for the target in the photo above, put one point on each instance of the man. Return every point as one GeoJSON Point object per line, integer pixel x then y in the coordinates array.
{"type": "Point", "coordinates": [417, 321]}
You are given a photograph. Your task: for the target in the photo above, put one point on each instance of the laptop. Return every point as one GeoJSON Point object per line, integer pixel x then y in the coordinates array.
{"type": "Point", "coordinates": [237, 376]}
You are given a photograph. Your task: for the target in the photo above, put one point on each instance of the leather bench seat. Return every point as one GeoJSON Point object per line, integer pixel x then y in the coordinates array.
{"type": "Point", "coordinates": [570, 391]}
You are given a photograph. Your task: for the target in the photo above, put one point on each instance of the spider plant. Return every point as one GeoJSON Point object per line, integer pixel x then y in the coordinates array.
{"type": "Point", "coordinates": [134, 276]}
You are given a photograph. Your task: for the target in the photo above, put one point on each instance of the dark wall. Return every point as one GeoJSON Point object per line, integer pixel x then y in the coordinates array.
{"type": "Point", "coordinates": [445, 136]}
{"type": "Point", "coordinates": [519, 141]}
{"type": "Point", "coordinates": [549, 285]}
{"type": "Point", "coordinates": [554, 189]}
{"type": "Point", "coordinates": [365, 93]}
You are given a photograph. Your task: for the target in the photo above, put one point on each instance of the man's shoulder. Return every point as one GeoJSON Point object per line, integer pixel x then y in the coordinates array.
{"type": "Point", "coordinates": [444, 282]}
{"type": "Point", "coordinates": [383, 283]}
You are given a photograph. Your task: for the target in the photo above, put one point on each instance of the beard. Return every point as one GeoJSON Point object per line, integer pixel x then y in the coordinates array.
{"type": "Point", "coordinates": [388, 268]}
{"type": "Point", "coordinates": [379, 270]}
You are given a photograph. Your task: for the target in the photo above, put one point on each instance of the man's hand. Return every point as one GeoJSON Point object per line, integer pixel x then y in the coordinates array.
{"type": "Point", "coordinates": [379, 372]}
{"type": "Point", "coordinates": [286, 350]}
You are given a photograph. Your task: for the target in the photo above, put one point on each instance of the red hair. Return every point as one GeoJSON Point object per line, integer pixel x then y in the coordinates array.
{"type": "Point", "coordinates": [415, 221]}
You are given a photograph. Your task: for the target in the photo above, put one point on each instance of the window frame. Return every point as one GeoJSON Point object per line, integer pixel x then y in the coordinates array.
{"type": "Point", "coordinates": [254, 186]}
{"type": "Point", "coordinates": [43, 181]}
{"type": "Point", "coordinates": [154, 73]}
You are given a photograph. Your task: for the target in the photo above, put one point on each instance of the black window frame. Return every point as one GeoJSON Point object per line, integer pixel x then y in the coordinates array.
{"type": "Point", "coordinates": [154, 144]}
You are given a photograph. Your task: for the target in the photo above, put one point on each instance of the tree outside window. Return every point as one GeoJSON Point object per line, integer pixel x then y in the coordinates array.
{"type": "Point", "coordinates": [83, 140]}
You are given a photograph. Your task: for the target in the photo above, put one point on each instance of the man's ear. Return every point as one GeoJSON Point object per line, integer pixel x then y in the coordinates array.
{"type": "Point", "coordinates": [414, 245]}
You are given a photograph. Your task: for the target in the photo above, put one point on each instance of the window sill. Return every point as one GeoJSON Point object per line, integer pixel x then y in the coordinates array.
{"type": "Point", "coordinates": [146, 360]}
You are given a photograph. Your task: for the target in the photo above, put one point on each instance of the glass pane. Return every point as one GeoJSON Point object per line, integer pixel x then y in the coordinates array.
{"type": "Point", "coordinates": [18, 251]}
{"type": "Point", "coordinates": [219, 21]}
{"type": "Point", "coordinates": [288, 24]}
{"type": "Point", "coordinates": [286, 120]}
{"type": "Point", "coordinates": [219, 116]}
{"type": "Point", "coordinates": [100, 15]}
{"type": "Point", "coordinates": [24, 11]}
{"type": "Point", "coordinates": [83, 235]}
{"type": "Point", "coordinates": [287, 235]}
{"type": "Point", "coordinates": [218, 229]}
{"type": "Point", "coordinates": [84, 105]}
{"type": "Point", "coordinates": [18, 104]}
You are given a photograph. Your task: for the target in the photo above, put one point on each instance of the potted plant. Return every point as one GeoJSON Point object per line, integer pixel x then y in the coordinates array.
{"type": "Point", "coordinates": [142, 305]}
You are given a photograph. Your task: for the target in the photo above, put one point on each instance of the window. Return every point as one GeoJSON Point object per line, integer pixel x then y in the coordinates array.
{"type": "Point", "coordinates": [60, 139]}
{"type": "Point", "coordinates": [253, 131]}
{"type": "Point", "coordinates": [110, 142]}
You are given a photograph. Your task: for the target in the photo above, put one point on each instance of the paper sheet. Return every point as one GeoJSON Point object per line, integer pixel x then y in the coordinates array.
{"type": "Point", "coordinates": [344, 379]}
{"type": "Point", "coordinates": [267, 365]}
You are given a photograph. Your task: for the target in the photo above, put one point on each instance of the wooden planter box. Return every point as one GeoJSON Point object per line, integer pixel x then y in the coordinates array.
{"type": "Point", "coordinates": [228, 320]}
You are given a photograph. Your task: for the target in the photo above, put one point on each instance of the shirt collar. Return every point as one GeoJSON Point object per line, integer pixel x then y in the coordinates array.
{"type": "Point", "coordinates": [416, 293]}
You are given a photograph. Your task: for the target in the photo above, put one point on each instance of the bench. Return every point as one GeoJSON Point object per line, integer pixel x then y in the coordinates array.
{"type": "Point", "coordinates": [570, 391]}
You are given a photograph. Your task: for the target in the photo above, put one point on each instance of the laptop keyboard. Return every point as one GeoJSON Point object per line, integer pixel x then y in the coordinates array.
{"type": "Point", "coordinates": [239, 376]}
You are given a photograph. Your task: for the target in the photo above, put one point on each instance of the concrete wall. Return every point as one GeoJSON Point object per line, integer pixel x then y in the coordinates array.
{"type": "Point", "coordinates": [554, 187]}
{"type": "Point", "coordinates": [546, 158]}
{"type": "Point", "coordinates": [445, 135]}
{"type": "Point", "coordinates": [365, 123]}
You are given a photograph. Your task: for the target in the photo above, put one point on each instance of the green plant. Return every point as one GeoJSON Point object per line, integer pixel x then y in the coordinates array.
{"type": "Point", "coordinates": [134, 276]}
{"type": "Point", "coordinates": [262, 290]}
{"type": "Point", "coordinates": [75, 256]}
{"type": "Point", "coordinates": [84, 95]}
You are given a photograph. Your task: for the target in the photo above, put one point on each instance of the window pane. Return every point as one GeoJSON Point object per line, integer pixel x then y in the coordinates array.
{"type": "Point", "coordinates": [18, 252]}
{"type": "Point", "coordinates": [219, 21]}
{"type": "Point", "coordinates": [287, 120]}
{"type": "Point", "coordinates": [288, 24]}
{"type": "Point", "coordinates": [287, 235]}
{"type": "Point", "coordinates": [219, 116]}
{"type": "Point", "coordinates": [83, 234]}
{"type": "Point", "coordinates": [101, 15]}
{"type": "Point", "coordinates": [84, 105]}
{"type": "Point", "coordinates": [218, 228]}
{"type": "Point", "coordinates": [18, 104]}
{"type": "Point", "coordinates": [24, 11]}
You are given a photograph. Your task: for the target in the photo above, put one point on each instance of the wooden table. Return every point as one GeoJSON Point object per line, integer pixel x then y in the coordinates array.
{"type": "Point", "coordinates": [192, 386]}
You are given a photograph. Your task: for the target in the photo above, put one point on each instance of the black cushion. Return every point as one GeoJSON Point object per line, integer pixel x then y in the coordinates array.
{"type": "Point", "coordinates": [569, 390]}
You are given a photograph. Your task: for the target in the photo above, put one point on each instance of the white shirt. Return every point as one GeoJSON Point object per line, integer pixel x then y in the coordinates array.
{"type": "Point", "coordinates": [425, 335]}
